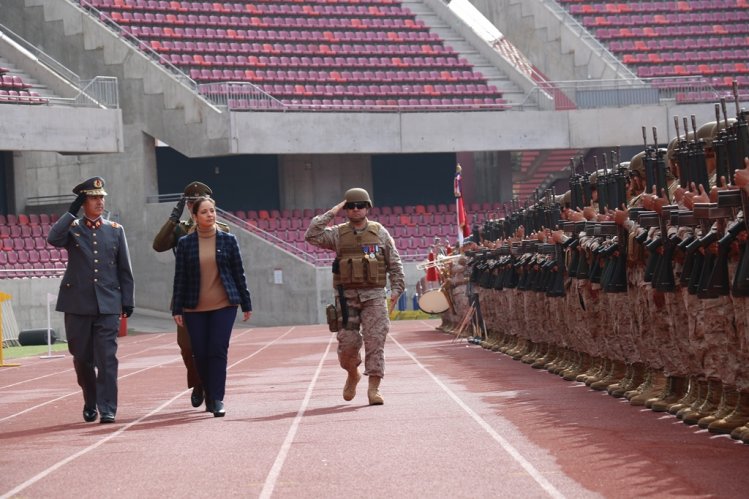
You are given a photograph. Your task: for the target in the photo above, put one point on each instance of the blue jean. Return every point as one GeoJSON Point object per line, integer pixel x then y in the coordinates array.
{"type": "Point", "coordinates": [209, 335]}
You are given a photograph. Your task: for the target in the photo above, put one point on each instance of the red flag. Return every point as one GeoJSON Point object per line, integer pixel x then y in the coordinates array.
{"type": "Point", "coordinates": [463, 229]}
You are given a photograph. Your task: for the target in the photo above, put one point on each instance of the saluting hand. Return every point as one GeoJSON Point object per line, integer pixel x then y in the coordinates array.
{"type": "Point", "coordinates": [335, 209]}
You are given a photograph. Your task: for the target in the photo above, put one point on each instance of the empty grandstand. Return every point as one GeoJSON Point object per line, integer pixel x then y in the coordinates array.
{"type": "Point", "coordinates": [282, 105]}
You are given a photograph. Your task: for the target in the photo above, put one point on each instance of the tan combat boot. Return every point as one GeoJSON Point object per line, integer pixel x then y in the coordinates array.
{"type": "Point", "coordinates": [727, 404]}
{"type": "Point", "coordinates": [374, 391]}
{"type": "Point", "coordinates": [708, 406]}
{"type": "Point", "coordinates": [736, 419]}
{"type": "Point", "coordinates": [676, 389]}
{"type": "Point", "coordinates": [349, 389]}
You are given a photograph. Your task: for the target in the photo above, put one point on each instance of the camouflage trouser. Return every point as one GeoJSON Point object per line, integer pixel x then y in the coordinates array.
{"type": "Point", "coordinates": [591, 326]}
{"type": "Point", "coordinates": [678, 338]}
{"type": "Point", "coordinates": [719, 343]}
{"type": "Point", "coordinates": [741, 311]}
{"type": "Point", "coordinates": [641, 311]}
{"type": "Point", "coordinates": [694, 321]}
{"type": "Point", "coordinates": [515, 311]}
{"type": "Point", "coordinates": [460, 302]}
{"type": "Point", "coordinates": [654, 335]}
{"type": "Point", "coordinates": [368, 324]}
{"type": "Point", "coordinates": [620, 337]}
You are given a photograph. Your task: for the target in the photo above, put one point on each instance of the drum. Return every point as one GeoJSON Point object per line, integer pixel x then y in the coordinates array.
{"type": "Point", "coordinates": [433, 302]}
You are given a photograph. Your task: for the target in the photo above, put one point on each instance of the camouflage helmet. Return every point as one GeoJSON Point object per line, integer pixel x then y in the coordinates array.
{"type": "Point", "coordinates": [637, 165]}
{"type": "Point", "coordinates": [593, 177]}
{"type": "Point", "coordinates": [357, 195]}
{"type": "Point", "coordinates": [563, 199]}
{"type": "Point", "coordinates": [707, 132]}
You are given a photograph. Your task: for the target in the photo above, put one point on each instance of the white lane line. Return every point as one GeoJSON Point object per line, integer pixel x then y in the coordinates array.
{"type": "Point", "coordinates": [77, 392]}
{"type": "Point", "coordinates": [84, 451]}
{"type": "Point", "coordinates": [507, 446]}
{"type": "Point", "coordinates": [125, 375]}
{"type": "Point", "coordinates": [63, 462]}
{"type": "Point", "coordinates": [57, 373]}
{"type": "Point", "coordinates": [272, 478]}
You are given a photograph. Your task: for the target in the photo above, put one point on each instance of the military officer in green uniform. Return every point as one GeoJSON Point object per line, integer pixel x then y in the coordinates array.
{"type": "Point", "coordinates": [167, 239]}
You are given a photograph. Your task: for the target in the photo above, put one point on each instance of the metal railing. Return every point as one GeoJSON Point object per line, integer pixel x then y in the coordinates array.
{"type": "Point", "coordinates": [595, 94]}
{"type": "Point", "coordinates": [240, 95]}
{"type": "Point", "coordinates": [253, 229]}
{"type": "Point", "coordinates": [101, 91]}
{"type": "Point", "coordinates": [573, 94]}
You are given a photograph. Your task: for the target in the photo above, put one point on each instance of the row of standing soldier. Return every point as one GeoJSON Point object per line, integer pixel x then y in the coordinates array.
{"type": "Point", "coordinates": [642, 294]}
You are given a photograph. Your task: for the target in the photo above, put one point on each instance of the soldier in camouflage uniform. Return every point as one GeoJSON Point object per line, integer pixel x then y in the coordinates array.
{"type": "Point", "coordinates": [366, 257]}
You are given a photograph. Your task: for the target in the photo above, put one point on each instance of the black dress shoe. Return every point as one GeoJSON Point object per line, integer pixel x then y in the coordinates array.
{"type": "Point", "coordinates": [106, 418]}
{"type": "Point", "coordinates": [89, 415]}
{"type": "Point", "coordinates": [197, 396]}
{"type": "Point", "coordinates": [208, 405]}
{"type": "Point", "coordinates": [218, 409]}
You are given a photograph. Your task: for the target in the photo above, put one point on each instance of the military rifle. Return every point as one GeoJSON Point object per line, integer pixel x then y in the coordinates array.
{"type": "Point", "coordinates": [720, 147]}
{"type": "Point", "coordinates": [648, 220]}
{"type": "Point", "coordinates": [648, 161]}
{"type": "Point", "coordinates": [699, 160]}
{"type": "Point", "coordinates": [600, 187]}
{"type": "Point", "coordinates": [701, 259]}
{"type": "Point", "coordinates": [684, 218]}
{"type": "Point", "coordinates": [663, 274]}
{"type": "Point", "coordinates": [660, 169]}
{"type": "Point", "coordinates": [738, 149]}
{"type": "Point", "coordinates": [718, 283]}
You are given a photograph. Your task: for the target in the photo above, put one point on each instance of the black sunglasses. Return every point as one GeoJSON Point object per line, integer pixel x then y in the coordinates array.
{"type": "Point", "coordinates": [358, 206]}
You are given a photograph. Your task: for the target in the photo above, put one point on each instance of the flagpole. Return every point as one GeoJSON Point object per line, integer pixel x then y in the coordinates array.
{"type": "Point", "coordinates": [457, 214]}
{"type": "Point", "coordinates": [458, 192]}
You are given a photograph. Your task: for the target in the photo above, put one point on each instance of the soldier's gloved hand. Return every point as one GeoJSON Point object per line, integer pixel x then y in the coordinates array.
{"type": "Point", "coordinates": [76, 204]}
{"type": "Point", "coordinates": [127, 311]}
{"type": "Point", "coordinates": [177, 211]}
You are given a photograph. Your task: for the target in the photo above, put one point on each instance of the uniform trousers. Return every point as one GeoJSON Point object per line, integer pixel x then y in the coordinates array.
{"type": "Point", "coordinates": [371, 317]}
{"type": "Point", "coordinates": [185, 349]}
{"type": "Point", "coordinates": [92, 341]}
{"type": "Point", "coordinates": [210, 332]}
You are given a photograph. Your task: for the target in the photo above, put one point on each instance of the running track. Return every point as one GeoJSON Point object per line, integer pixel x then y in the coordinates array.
{"type": "Point", "coordinates": [458, 421]}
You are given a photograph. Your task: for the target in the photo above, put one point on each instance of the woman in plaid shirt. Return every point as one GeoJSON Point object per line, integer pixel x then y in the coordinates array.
{"type": "Point", "coordinates": [209, 285]}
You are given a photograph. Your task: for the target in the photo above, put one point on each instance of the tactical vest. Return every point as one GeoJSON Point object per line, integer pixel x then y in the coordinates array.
{"type": "Point", "coordinates": [361, 258]}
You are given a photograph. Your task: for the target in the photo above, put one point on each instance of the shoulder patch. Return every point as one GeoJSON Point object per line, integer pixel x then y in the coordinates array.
{"type": "Point", "coordinates": [224, 227]}
{"type": "Point", "coordinates": [115, 225]}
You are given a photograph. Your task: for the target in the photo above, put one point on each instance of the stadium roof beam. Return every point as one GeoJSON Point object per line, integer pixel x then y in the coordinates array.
{"type": "Point", "coordinates": [331, 133]}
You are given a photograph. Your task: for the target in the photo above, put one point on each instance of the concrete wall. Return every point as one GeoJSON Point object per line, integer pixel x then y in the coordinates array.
{"type": "Point", "coordinates": [49, 128]}
{"type": "Point", "coordinates": [29, 302]}
{"type": "Point", "coordinates": [319, 180]}
{"type": "Point", "coordinates": [455, 132]}
{"type": "Point", "coordinates": [557, 49]}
